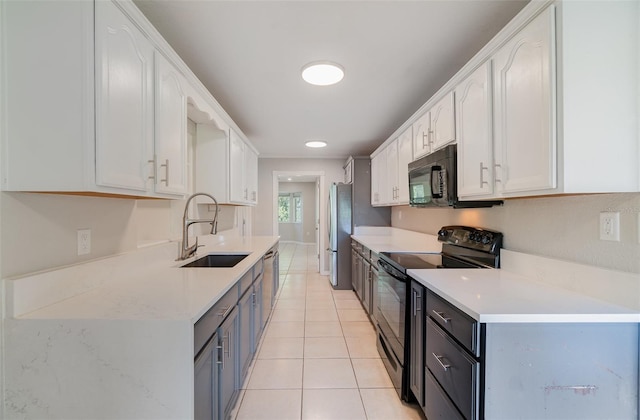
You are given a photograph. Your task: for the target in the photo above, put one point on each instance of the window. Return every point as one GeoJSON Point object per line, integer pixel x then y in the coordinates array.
{"type": "Point", "coordinates": [290, 207]}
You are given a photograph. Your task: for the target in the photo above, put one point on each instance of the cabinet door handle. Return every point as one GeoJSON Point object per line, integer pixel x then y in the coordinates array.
{"type": "Point", "coordinates": [226, 312]}
{"type": "Point", "coordinates": [154, 168]}
{"type": "Point", "coordinates": [444, 366]}
{"type": "Point", "coordinates": [166, 172]}
{"type": "Point", "coordinates": [442, 316]}
{"type": "Point", "coordinates": [431, 133]}
{"type": "Point", "coordinates": [228, 340]}
{"type": "Point", "coordinates": [482, 169]}
{"type": "Point", "coordinates": [425, 135]}
{"type": "Point", "coordinates": [220, 360]}
{"type": "Point", "coordinates": [495, 178]}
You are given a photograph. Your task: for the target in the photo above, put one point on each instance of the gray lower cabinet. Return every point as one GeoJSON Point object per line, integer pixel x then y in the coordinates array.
{"type": "Point", "coordinates": [366, 285]}
{"type": "Point", "coordinates": [206, 381]}
{"type": "Point", "coordinates": [452, 357]}
{"type": "Point", "coordinates": [537, 370]}
{"type": "Point", "coordinates": [416, 341]}
{"type": "Point", "coordinates": [225, 341]}
{"type": "Point", "coordinates": [364, 275]}
{"type": "Point", "coordinates": [258, 304]}
{"type": "Point", "coordinates": [228, 338]}
{"type": "Point", "coordinates": [374, 287]}
{"type": "Point", "coordinates": [246, 319]}
{"type": "Point", "coordinates": [356, 269]}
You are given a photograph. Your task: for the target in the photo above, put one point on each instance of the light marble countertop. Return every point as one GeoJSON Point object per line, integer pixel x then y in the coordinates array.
{"type": "Point", "coordinates": [528, 288]}
{"type": "Point", "coordinates": [500, 296]}
{"type": "Point", "coordinates": [113, 338]}
{"type": "Point", "coordinates": [389, 239]}
{"type": "Point", "coordinates": [147, 284]}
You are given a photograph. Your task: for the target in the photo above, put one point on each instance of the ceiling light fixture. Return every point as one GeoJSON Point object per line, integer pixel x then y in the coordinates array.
{"type": "Point", "coordinates": [322, 73]}
{"type": "Point", "coordinates": [316, 144]}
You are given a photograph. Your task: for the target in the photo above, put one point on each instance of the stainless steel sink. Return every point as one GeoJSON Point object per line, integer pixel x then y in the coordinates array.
{"type": "Point", "coordinates": [217, 260]}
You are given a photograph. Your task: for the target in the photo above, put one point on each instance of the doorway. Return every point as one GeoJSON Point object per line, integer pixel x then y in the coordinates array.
{"type": "Point", "coordinates": [299, 210]}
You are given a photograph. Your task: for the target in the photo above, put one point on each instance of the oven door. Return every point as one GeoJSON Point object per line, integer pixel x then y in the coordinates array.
{"type": "Point", "coordinates": [391, 302]}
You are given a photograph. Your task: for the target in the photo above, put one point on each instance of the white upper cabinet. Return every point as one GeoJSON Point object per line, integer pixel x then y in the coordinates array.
{"type": "Point", "coordinates": [237, 181]}
{"type": "Point", "coordinates": [251, 162]}
{"type": "Point", "coordinates": [435, 128]}
{"type": "Point", "coordinates": [421, 139]}
{"type": "Point", "coordinates": [102, 98]}
{"type": "Point", "coordinates": [378, 162]}
{"type": "Point", "coordinates": [443, 123]}
{"type": "Point", "coordinates": [405, 156]}
{"type": "Point", "coordinates": [475, 136]}
{"type": "Point", "coordinates": [226, 167]}
{"type": "Point", "coordinates": [170, 129]}
{"type": "Point", "coordinates": [243, 172]}
{"type": "Point", "coordinates": [124, 101]}
{"type": "Point", "coordinates": [390, 195]}
{"type": "Point", "coordinates": [389, 172]}
{"type": "Point", "coordinates": [524, 83]}
{"type": "Point", "coordinates": [534, 114]}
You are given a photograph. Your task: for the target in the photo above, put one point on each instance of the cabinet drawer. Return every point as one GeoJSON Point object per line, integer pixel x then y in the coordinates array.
{"type": "Point", "coordinates": [437, 405]}
{"type": "Point", "coordinates": [211, 320]}
{"type": "Point", "coordinates": [245, 283]}
{"type": "Point", "coordinates": [456, 371]}
{"type": "Point", "coordinates": [461, 326]}
{"type": "Point", "coordinates": [258, 268]}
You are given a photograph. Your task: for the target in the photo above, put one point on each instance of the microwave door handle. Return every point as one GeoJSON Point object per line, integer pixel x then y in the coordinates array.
{"type": "Point", "coordinates": [436, 182]}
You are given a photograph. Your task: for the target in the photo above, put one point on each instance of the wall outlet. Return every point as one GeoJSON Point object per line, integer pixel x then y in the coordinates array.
{"type": "Point", "coordinates": [84, 241]}
{"type": "Point", "coordinates": [610, 226]}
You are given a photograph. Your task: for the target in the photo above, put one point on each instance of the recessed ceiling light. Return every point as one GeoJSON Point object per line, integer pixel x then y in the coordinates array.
{"type": "Point", "coordinates": [322, 73]}
{"type": "Point", "coordinates": [316, 143]}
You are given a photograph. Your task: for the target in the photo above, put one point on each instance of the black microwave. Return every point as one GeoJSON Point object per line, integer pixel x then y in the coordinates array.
{"type": "Point", "coordinates": [433, 182]}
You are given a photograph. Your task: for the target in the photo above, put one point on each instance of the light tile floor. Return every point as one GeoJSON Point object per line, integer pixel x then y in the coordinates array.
{"type": "Point", "coordinates": [317, 358]}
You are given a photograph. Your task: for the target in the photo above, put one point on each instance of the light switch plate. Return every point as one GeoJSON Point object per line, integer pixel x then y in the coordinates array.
{"type": "Point", "coordinates": [610, 226]}
{"type": "Point", "coordinates": [84, 241]}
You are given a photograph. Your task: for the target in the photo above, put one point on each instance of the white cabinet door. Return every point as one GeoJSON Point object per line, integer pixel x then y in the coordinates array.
{"type": "Point", "coordinates": [475, 137]}
{"type": "Point", "coordinates": [251, 161]}
{"type": "Point", "coordinates": [171, 129]}
{"type": "Point", "coordinates": [237, 181]}
{"type": "Point", "coordinates": [524, 84]}
{"type": "Point", "coordinates": [443, 123]}
{"type": "Point", "coordinates": [405, 156]}
{"type": "Point", "coordinates": [379, 179]}
{"type": "Point", "coordinates": [124, 101]}
{"type": "Point", "coordinates": [421, 139]}
{"type": "Point", "coordinates": [377, 176]}
{"type": "Point", "coordinates": [390, 196]}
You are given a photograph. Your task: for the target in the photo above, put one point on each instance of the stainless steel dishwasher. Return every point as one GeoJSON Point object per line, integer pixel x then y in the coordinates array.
{"type": "Point", "coordinates": [271, 282]}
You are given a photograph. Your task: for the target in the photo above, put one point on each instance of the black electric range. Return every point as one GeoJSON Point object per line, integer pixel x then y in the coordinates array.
{"type": "Point", "coordinates": [462, 247]}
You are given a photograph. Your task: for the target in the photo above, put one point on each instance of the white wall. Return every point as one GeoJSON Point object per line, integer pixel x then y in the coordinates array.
{"type": "Point", "coordinates": [263, 212]}
{"type": "Point", "coordinates": [39, 230]}
{"type": "Point", "coordinates": [303, 232]}
{"type": "Point", "coordinates": [565, 228]}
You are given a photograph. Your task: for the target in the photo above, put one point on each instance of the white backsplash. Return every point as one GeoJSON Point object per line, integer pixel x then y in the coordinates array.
{"type": "Point", "coordinates": [558, 227]}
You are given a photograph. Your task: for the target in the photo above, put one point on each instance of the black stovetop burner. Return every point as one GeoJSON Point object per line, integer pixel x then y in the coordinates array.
{"type": "Point", "coordinates": [463, 247]}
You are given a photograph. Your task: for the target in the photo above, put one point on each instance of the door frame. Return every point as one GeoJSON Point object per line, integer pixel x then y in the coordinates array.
{"type": "Point", "coordinates": [321, 207]}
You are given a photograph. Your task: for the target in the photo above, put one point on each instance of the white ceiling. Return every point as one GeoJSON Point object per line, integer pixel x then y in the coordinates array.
{"type": "Point", "coordinates": [396, 54]}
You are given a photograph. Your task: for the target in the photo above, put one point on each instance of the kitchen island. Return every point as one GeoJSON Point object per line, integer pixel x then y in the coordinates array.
{"type": "Point", "coordinates": [114, 338]}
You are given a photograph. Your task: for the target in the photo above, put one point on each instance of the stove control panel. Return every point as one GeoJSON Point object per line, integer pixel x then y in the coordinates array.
{"type": "Point", "coordinates": [470, 237]}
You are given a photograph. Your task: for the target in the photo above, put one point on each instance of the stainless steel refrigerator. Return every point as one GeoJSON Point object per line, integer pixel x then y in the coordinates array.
{"type": "Point", "coordinates": [349, 207]}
